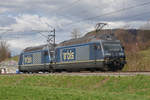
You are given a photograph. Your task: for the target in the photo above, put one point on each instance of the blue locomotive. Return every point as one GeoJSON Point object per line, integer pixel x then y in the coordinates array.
{"type": "Point", "coordinates": [95, 55]}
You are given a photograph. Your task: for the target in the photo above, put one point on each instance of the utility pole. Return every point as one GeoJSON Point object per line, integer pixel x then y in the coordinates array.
{"type": "Point", "coordinates": [51, 41]}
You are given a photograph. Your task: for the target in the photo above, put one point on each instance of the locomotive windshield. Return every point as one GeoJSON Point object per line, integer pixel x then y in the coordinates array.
{"type": "Point", "coordinates": [112, 46]}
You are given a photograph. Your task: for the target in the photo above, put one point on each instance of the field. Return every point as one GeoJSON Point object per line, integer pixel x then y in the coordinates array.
{"type": "Point", "coordinates": [58, 87]}
{"type": "Point", "coordinates": [139, 61]}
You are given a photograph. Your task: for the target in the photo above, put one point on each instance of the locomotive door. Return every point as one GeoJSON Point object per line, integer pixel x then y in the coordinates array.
{"type": "Point", "coordinates": [97, 53]}
{"type": "Point", "coordinates": [45, 57]}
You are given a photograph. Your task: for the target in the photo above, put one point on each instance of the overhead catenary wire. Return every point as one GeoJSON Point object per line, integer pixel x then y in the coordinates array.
{"type": "Point", "coordinates": [120, 10]}
{"type": "Point", "coordinates": [106, 14]}
{"type": "Point", "coordinates": [50, 36]}
{"type": "Point", "coordinates": [109, 13]}
{"type": "Point", "coordinates": [139, 15]}
{"type": "Point", "coordinates": [60, 9]}
{"type": "Point", "coordinates": [66, 6]}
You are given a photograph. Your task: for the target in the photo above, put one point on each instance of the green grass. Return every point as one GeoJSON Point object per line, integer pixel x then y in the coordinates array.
{"type": "Point", "coordinates": [15, 58]}
{"type": "Point", "coordinates": [56, 87]}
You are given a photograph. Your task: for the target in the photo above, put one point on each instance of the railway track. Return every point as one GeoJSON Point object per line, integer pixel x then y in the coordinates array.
{"type": "Point", "coordinates": [130, 73]}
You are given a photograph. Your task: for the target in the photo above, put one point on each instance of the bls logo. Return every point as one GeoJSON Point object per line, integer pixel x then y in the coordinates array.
{"type": "Point", "coordinates": [68, 54]}
{"type": "Point", "coordinates": [28, 59]}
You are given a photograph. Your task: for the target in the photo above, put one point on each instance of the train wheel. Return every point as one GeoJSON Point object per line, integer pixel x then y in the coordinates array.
{"type": "Point", "coordinates": [121, 67]}
{"type": "Point", "coordinates": [92, 70]}
{"type": "Point", "coordinates": [51, 69]}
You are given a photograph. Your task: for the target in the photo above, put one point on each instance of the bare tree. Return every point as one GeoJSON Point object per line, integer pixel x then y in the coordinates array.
{"type": "Point", "coordinates": [75, 34]}
{"type": "Point", "coordinates": [4, 50]}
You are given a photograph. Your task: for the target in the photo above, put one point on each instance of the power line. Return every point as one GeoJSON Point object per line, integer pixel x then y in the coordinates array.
{"type": "Point", "coordinates": [106, 14]}
{"type": "Point", "coordinates": [51, 36]}
{"type": "Point", "coordinates": [59, 9]}
{"type": "Point", "coordinates": [67, 6]}
{"type": "Point", "coordinates": [110, 13]}
{"type": "Point", "coordinates": [96, 8]}
{"type": "Point", "coordinates": [120, 10]}
{"type": "Point", "coordinates": [137, 15]}
{"type": "Point", "coordinates": [134, 16]}
{"type": "Point", "coordinates": [129, 17]}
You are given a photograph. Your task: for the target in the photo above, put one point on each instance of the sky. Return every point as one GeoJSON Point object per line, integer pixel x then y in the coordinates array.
{"type": "Point", "coordinates": [23, 21]}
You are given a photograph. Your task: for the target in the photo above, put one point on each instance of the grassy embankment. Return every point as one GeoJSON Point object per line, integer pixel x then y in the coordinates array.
{"type": "Point", "coordinates": [56, 87]}
{"type": "Point", "coordinates": [15, 58]}
{"type": "Point", "coordinates": [139, 61]}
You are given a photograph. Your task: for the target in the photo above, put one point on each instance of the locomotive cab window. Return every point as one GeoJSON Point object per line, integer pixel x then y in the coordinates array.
{"type": "Point", "coordinates": [112, 46]}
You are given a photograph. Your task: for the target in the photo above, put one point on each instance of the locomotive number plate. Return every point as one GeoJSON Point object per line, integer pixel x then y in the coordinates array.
{"type": "Point", "coordinates": [28, 59]}
{"type": "Point", "coordinates": [68, 54]}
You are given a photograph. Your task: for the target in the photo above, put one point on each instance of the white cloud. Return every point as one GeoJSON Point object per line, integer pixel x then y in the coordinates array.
{"type": "Point", "coordinates": [16, 46]}
{"type": "Point", "coordinates": [22, 44]}
{"type": "Point", "coordinates": [2, 10]}
{"type": "Point", "coordinates": [28, 22]}
{"type": "Point", "coordinates": [25, 24]}
{"type": "Point", "coordinates": [23, 16]}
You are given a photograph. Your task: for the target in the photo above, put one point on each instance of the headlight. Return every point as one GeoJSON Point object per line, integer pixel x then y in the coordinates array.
{"type": "Point", "coordinates": [107, 54]}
